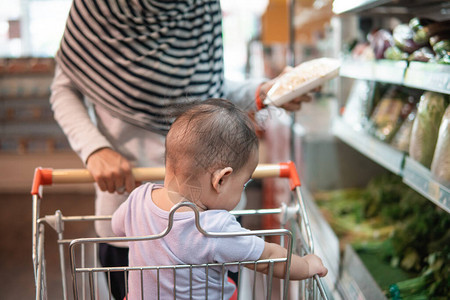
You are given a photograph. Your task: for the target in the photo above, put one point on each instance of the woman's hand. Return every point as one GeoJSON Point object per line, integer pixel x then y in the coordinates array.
{"type": "Point", "coordinates": [111, 171]}
{"type": "Point", "coordinates": [293, 105]}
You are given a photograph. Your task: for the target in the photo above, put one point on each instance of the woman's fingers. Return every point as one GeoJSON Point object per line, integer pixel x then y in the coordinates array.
{"type": "Point", "coordinates": [111, 171]}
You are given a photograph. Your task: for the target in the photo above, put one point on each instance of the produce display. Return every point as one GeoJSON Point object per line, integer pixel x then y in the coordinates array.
{"type": "Point", "coordinates": [394, 228]}
{"type": "Point", "coordinates": [422, 39]}
{"type": "Point", "coordinates": [402, 238]}
{"type": "Point", "coordinates": [408, 119]}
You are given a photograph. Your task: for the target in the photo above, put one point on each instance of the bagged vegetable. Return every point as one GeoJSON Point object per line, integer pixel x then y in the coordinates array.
{"type": "Point", "coordinates": [403, 38]}
{"type": "Point", "coordinates": [394, 53]}
{"type": "Point", "coordinates": [444, 36]}
{"type": "Point", "coordinates": [357, 109]}
{"type": "Point", "coordinates": [444, 60]}
{"type": "Point", "coordinates": [380, 40]}
{"type": "Point", "coordinates": [426, 127]}
{"type": "Point", "coordinates": [423, 54]}
{"type": "Point", "coordinates": [387, 114]}
{"type": "Point", "coordinates": [403, 135]}
{"type": "Point", "coordinates": [423, 34]}
{"type": "Point", "coordinates": [440, 166]}
{"type": "Point", "coordinates": [442, 48]}
{"type": "Point", "coordinates": [418, 23]}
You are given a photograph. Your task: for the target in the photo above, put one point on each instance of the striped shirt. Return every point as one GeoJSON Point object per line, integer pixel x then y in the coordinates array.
{"type": "Point", "coordinates": [141, 59]}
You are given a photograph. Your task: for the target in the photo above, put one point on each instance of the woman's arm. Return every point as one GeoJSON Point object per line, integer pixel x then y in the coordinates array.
{"type": "Point", "coordinates": [111, 171]}
{"type": "Point", "coordinates": [72, 116]}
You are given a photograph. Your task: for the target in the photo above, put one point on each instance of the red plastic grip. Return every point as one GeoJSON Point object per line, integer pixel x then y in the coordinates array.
{"type": "Point", "coordinates": [41, 177]}
{"type": "Point", "coordinates": [288, 170]}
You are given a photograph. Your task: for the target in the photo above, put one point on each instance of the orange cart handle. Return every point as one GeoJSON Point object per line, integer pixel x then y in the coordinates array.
{"type": "Point", "coordinates": [45, 176]}
{"type": "Point", "coordinates": [288, 170]}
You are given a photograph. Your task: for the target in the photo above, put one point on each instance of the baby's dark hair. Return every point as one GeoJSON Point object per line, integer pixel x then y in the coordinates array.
{"type": "Point", "coordinates": [211, 134]}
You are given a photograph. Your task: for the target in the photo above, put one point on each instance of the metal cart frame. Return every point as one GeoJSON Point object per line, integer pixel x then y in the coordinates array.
{"type": "Point", "coordinates": [85, 278]}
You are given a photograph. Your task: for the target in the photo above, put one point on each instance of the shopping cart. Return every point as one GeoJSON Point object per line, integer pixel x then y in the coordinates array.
{"type": "Point", "coordinates": [81, 252]}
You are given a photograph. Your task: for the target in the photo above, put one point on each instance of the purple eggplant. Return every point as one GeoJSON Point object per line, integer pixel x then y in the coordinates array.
{"type": "Point", "coordinates": [380, 40]}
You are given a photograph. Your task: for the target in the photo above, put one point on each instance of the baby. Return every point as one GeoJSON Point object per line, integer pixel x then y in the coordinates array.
{"type": "Point", "coordinates": [211, 153]}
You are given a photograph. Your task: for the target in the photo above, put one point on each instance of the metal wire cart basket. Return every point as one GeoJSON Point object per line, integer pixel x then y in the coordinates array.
{"type": "Point", "coordinates": [81, 276]}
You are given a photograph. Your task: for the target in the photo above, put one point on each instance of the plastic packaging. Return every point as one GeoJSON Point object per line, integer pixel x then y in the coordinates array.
{"type": "Point", "coordinates": [440, 166]}
{"type": "Point", "coordinates": [380, 40]}
{"type": "Point", "coordinates": [394, 53]}
{"type": "Point", "coordinates": [403, 135]}
{"type": "Point", "coordinates": [423, 54]}
{"type": "Point", "coordinates": [302, 79]}
{"type": "Point", "coordinates": [403, 38]}
{"type": "Point", "coordinates": [387, 114]}
{"type": "Point", "coordinates": [426, 127]}
{"type": "Point", "coordinates": [357, 109]}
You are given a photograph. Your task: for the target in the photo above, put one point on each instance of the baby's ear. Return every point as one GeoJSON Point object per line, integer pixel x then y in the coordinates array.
{"type": "Point", "coordinates": [219, 177]}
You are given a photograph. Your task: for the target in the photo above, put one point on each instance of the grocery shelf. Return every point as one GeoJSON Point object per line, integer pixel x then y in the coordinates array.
{"type": "Point", "coordinates": [420, 179]}
{"type": "Point", "coordinates": [419, 75]}
{"type": "Point", "coordinates": [357, 69]}
{"type": "Point", "coordinates": [356, 282]}
{"type": "Point", "coordinates": [425, 8]}
{"type": "Point", "coordinates": [428, 76]}
{"type": "Point", "coordinates": [389, 71]}
{"type": "Point", "coordinates": [378, 151]}
{"type": "Point", "coordinates": [413, 173]}
{"type": "Point", "coordinates": [344, 6]}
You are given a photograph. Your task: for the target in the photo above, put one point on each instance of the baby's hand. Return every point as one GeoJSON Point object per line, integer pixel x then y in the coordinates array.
{"type": "Point", "coordinates": [315, 266]}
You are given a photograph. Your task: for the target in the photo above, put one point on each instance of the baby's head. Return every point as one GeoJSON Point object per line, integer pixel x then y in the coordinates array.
{"type": "Point", "coordinates": [211, 151]}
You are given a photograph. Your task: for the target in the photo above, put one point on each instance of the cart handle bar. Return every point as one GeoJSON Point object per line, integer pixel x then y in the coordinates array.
{"type": "Point", "coordinates": [47, 176]}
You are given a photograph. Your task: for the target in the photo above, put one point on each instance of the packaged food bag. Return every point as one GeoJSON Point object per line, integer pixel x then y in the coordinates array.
{"type": "Point", "coordinates": [303, 78]}
{"type": "Point", "coordinates": [380, 40]}
{"type": "Point", "coordinates": [404, 38]}
{"type": "Point", "coordinates": [359, 103]}
{"type": "Point", "coordinates": [387, 113]}
{"type": "Point", "coordinates": [425, 129]}
{"type": "Point", "coordinates": [440, 166]}
{"type": "Point", "coordinates": [403, 135]}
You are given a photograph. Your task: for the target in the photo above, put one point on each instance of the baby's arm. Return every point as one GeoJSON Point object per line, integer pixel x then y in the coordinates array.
{"type": "Point", "coordinates": [118, 220]}
{"type": "Point", "coordinates": [301, 267]}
